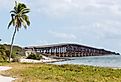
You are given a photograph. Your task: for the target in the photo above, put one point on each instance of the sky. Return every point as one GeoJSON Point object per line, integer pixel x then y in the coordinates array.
{"type": "Point", "coordinates": [95, 23]}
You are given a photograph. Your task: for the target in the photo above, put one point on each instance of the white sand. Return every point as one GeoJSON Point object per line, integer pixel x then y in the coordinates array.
{"type": "Point", "coordinates": [3, 68]}
{"type": "Point", "coordinates": [3, 78]}
{"type": "Point", "coordinates": [6, 79]}
{"type": "Point", "coordinates": [43, 60]}
{"type": "Point", "coordinates": [37, 61]}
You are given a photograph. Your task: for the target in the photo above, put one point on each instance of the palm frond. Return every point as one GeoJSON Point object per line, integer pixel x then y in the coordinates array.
{"type": "Point", "coordinates": [23, 22]}
{"type": "Point", "coordinates": [24, 11]}
{"type": "Point", "coordinates": [19, 17]}
{"type": "Point", "coordinates": [13, 16]}
{"type": "Point", "coordinates": [18, 23]}
{"type": "Point", "coordinates": [26, 18]}
{"type": "Point", "coordinates": [16, 6]}
{"type": "Point", "coordinates": [10, 23]}
{"type": "Point", "coordinates": [13, 11]}
{"type": "Point", "coordinates": [15, 3]}
{"type": "Point", "coordinates": [21, 6]}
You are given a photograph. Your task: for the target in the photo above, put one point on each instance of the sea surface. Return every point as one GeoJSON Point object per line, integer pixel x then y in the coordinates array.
{"type": "Point", "coordinates": [102, 61]}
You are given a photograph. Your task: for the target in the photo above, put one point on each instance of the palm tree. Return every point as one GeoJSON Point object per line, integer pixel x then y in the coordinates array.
{"type": "Point", "coordinates": [18, 19]}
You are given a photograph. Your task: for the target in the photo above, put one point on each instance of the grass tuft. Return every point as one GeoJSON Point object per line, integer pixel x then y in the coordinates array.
{"type": "Point", "coordinates": [62, 73]}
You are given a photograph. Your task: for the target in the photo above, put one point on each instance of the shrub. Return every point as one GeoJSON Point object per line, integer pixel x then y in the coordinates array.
{"type": "Point", "coordinates": [16, 60]}
{"type": "Point", "coordinates": [34, 56]}
{"type": "Point", "coordinates": [3, 54]}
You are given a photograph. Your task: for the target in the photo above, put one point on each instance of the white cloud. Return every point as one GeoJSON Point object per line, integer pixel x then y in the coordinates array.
{"type": "Point", "coordinates": [60, 8]}
{"type": "Point", "coordinates": [66, 7]}
{"type": "Point", "coordinates": [89, 20]}
{"type": "Point", "coordinates": [8, 4]}
{"type": "Point", "coordinates": [62, 35]}
{"type": "Point", "coordinates": [102, 30]}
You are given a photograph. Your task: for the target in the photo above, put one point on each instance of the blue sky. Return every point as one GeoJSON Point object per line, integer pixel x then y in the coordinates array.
{"type": "Point", "coordinates": [90, 22]}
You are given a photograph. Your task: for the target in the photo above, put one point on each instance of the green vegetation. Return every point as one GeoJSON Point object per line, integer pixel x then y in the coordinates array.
{"type": "Point", "coordinates": [35, 56]}
{"type": "Point", "coordinates": [62, 73]}
{"type": "Point", "coordinates": [17, 50]}
{"type": "Point", "coordinates": [5, 52]}
{"type": "Point", "coordinates": [18, 18]}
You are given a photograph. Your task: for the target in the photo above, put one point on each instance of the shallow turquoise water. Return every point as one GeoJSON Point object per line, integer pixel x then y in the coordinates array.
{"type": "Point", "coordinates": [103, 61]}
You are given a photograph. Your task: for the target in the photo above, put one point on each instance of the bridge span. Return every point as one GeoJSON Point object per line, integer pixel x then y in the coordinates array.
{"type": "Point", "coordinates": [67, 50]}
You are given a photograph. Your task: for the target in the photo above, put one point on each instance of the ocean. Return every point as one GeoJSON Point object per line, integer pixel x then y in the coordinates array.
{"type": "Point", "coordinates": [101, 61]}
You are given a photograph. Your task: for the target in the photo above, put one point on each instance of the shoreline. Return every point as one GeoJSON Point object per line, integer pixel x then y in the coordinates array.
{"type": "Point", "coordinates": [66, 60]}
{"type": "Point", "coordinates": [42, 60]}
{"type": "Point", "coordinates": [52, 61]}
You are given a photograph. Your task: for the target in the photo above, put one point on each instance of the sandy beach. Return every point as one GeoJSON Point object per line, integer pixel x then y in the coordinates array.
{"type": "Point", "coordinates": [43, 60]}
{"type": "Point", "coordinates": [40, 61]}
{"type": "Point", "coordinates": [4, 78]}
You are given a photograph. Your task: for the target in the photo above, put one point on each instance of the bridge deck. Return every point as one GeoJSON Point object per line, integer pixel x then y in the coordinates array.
{"type": "Point", "coordinates": [67, 50]}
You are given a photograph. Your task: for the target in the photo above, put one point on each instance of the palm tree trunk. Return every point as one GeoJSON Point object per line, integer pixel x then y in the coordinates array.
{"type": "Point", "coordinates": [11, 46]}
